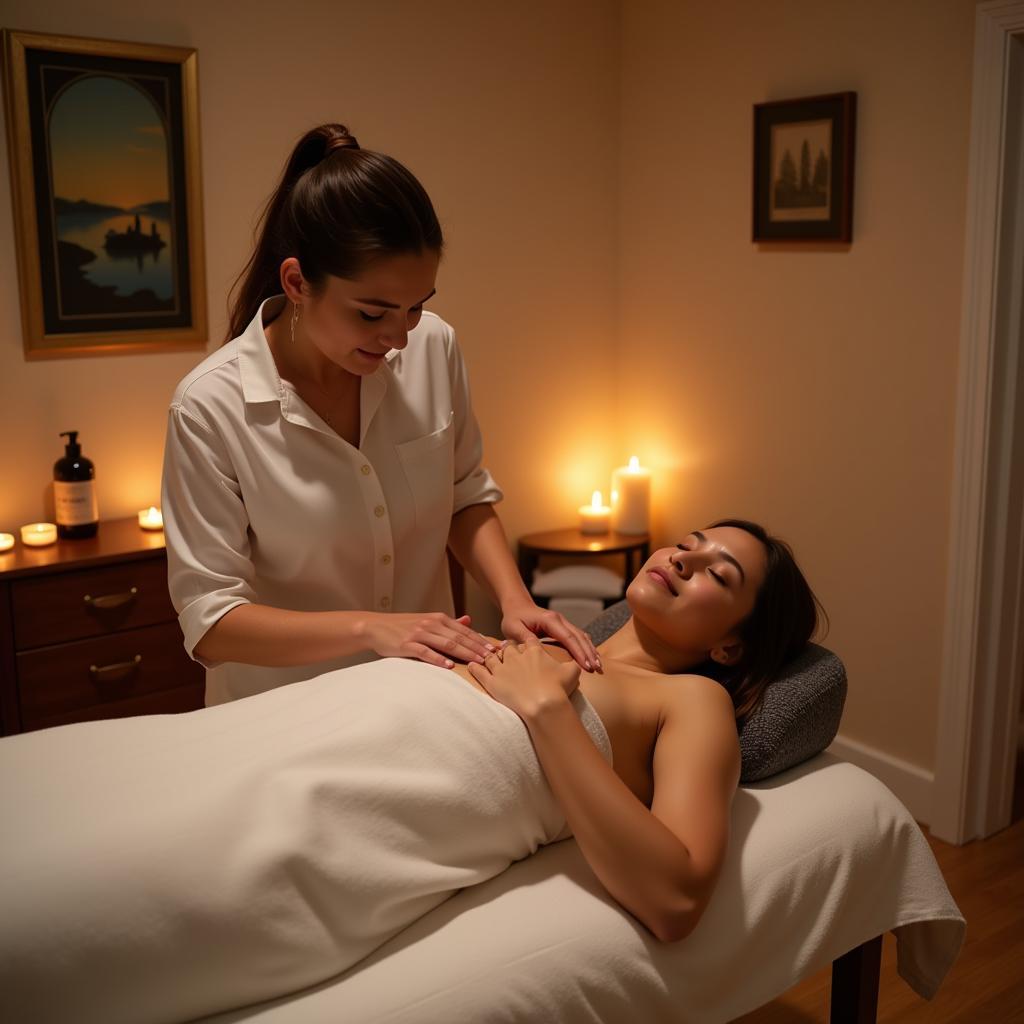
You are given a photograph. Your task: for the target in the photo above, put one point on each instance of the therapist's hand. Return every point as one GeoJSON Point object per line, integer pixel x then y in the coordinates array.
{"type": "Point", "coordinates": [527, 677]}
{"type": "Point", "coordinates": [523, 620]}
{"type": "Point", "coordinates": [432, 637]}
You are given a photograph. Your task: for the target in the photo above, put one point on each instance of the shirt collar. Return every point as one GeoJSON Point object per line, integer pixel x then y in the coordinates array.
{"type": "Point", "coordinates": [260, 380]}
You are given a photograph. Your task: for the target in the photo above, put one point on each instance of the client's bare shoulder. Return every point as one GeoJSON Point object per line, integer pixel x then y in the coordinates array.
{"type": "Point", "coordinates": [697, 733]}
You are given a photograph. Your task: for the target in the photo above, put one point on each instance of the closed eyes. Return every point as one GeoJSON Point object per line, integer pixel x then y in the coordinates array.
{"type": "Point", "coordinates": [711, 572]}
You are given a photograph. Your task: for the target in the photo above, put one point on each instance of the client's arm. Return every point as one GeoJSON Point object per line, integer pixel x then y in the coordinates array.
{"type": "Point", "coordinates": [660, 864]}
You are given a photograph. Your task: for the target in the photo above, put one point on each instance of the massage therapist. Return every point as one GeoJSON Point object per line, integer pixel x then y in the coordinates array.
{"type": "Point", "coordinates": [318, 464]}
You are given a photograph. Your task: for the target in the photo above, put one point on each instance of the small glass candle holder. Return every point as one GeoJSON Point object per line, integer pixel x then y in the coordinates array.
{"type": "Point", "coordinates": [151, 518]}
{"type": "Point", "coordinates": [39, 535]}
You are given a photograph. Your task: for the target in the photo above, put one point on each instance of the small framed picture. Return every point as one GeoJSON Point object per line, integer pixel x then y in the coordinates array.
{"type": "Point", "coordinates": [103, 145]}
{"type": "Point", "coordinates": [803, 169]}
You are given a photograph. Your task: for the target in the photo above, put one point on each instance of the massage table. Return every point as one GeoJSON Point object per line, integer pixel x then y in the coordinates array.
{"type": "Point", "coordinates": [823, 860]}
{"type": "Point", "coordinates": [206, 865]}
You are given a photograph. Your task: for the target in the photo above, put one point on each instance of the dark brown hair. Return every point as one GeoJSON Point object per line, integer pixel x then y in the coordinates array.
{"type": "Point", "coordinates": [337, 209]}
{"type": "Point", "coordinates": [784, 618]}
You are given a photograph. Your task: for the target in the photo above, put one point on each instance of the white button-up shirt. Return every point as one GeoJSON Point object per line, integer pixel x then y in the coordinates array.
{"type": "Point", "coordinates": [264, 503]}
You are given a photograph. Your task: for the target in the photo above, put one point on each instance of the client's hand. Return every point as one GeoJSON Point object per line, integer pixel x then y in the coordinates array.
{"type": "Point", "coordinates": [521, 621]}
{"type": "Point", "coordinates": [432, 637]}
{"type": "Point", "coordinates": [525, 678]}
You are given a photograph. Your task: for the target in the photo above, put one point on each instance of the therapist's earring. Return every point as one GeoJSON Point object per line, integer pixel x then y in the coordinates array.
{"type": "Point", "coordinates": [295, 320]}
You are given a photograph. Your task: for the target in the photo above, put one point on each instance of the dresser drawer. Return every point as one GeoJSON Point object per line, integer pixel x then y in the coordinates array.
{"type": "Point", "coordinates": [74, 605]}
{"type": "Point", "coordinates": [94, 678]}
{"type": "Point", "coordinates": [166, 702]}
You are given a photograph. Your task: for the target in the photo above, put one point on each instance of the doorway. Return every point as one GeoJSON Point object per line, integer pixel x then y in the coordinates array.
{"type": "Point", "coordinates": [982, 688]}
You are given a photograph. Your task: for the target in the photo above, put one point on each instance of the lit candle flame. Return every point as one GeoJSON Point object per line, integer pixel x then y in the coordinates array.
{"type": "Point", "coordinates": [595, 501]}
{"type": "Point", "coordinates": [634, 463]}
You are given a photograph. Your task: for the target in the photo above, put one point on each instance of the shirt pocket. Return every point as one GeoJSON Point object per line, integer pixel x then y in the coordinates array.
{"type": "Point", "coordinates": [429, 466]}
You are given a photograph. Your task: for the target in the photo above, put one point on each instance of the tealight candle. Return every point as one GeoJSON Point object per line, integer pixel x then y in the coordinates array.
{"type": "Point", "coordinates": [151, 518]}
{"type": "Point", "coordinates": [38, 535]}
{"type": "Point", "coordinates": [631, 498]}
{"type": "Point", "coordinates": [595, 517]}
{"type": "Point", "coordinates": [6, 541]}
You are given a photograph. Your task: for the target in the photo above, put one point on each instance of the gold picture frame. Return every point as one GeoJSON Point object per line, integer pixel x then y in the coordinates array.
{"type": "Point", "coordinates": [120, 121]}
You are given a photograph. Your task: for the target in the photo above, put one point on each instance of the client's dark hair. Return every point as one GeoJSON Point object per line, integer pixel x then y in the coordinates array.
{"type": "Point", "coordinates": [337, 209]}
{"type": "Point", "coordinates": [783, 620]}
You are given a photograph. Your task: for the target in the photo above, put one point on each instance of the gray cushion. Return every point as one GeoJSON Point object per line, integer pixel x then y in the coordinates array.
{"type": "Point", "coordinates": [798, 716]}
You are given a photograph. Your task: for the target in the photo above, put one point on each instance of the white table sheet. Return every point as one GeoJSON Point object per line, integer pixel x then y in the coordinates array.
{"type": "Point", "coordinates": [822, 858]}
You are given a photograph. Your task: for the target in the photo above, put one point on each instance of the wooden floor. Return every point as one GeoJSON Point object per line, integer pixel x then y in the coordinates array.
{"type": "Point", "coordinates": [986, 984]}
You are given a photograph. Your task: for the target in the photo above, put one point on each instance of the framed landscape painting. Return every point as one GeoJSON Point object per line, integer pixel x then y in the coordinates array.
{"type": "Point", "coordinates": [103, 145]}
{"type": "Point", "coordinates": [803, 169]}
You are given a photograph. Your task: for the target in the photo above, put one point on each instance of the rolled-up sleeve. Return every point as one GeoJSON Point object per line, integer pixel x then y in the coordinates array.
{"type": "Point", "coordinates": [209, 565]}
{"type": "Point", "coordinates": [474, 485]}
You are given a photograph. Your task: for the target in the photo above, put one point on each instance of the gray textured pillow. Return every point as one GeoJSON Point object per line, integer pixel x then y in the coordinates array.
{"type": "Point", "coordinates": [798, 716]}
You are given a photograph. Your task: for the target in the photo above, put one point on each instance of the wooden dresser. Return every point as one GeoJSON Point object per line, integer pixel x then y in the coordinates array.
{"type": "Point", "coordinates": [87, 631]}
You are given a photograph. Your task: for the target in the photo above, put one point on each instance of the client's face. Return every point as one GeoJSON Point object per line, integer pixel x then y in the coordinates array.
{"type": "Point", "coordinates": [694, 595]}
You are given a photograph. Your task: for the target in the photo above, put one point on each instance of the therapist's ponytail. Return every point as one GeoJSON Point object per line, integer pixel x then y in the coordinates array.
{"type": "Point", "coordinates": [336, 209]}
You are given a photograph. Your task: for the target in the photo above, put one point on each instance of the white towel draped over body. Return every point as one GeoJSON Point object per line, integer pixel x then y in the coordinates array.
{"type": "Point", "coordinates": [161, 868]}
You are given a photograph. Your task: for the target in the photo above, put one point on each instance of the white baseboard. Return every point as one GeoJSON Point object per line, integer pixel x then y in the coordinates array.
{"type": "Point", "coordinates": [911, 783]}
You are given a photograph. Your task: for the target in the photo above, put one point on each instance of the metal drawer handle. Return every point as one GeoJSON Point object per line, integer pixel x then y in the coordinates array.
{"type": "Point", "coordinates": [107, 601]}
{"type": "Point", "coordinates": [112, 673]}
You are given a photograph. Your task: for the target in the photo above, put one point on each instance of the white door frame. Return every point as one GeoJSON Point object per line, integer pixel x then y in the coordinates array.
{"type": "Point", "coordinates": [983, 656]}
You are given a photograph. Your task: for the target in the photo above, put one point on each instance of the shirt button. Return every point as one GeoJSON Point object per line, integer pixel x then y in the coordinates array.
{"type": "Point", "coordinates": [385, 602]}
{"type": "Point", "coordinates": [365, 470]}
{"type": "Point", "coordinates": [386, 559]}
{"type": "Point", "coordinates": [379, 511]}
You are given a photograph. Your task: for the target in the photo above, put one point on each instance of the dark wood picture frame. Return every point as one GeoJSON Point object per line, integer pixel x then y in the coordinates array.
{"type": "Point", "coordinates": [103, 147]}
{"type": "Point", "coordinates": [803, 169]}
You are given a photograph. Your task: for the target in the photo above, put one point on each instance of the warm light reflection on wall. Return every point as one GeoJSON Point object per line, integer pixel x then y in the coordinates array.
{"type": "Point", "coordinates": [576, 463]}
{"type": "Point", "coordinates": [133, 487]}
{"type": "Point", "coordinates": [579, 470]}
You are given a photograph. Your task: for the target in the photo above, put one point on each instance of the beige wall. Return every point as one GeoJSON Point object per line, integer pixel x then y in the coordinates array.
{"type": "Point", "coordinates": [506, 112]}
{"type": "Point", "coordinates": [812, 389]}
{"type": "Point", "coordinates": [591, 164]}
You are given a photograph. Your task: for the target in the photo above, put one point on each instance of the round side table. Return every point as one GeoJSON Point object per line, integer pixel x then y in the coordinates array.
{"type": "Point", "coordinates": [634, 547]}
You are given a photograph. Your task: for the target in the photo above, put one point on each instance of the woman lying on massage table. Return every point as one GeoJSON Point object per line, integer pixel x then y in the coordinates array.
{"type": "Point", "coordinates": [166, 867]}
{"type": "Point", "coordinates": [654, 829]}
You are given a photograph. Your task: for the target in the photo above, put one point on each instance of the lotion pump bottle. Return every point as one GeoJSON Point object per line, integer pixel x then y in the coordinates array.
{"type": "Point", "coordinates": [74, 491]}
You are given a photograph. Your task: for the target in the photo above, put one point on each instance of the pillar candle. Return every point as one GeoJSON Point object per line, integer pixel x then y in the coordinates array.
{"type": "Point", "coordinates": [631, 498]}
